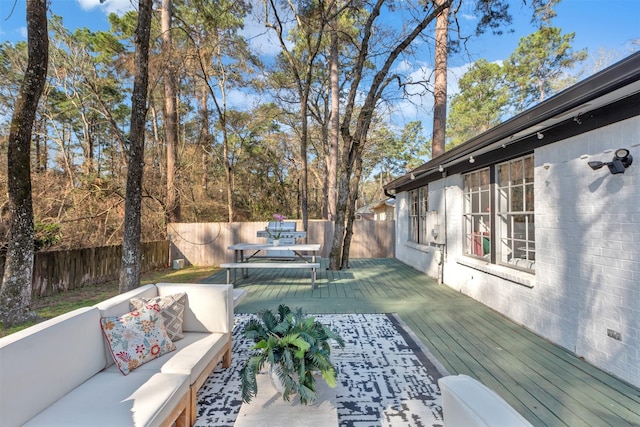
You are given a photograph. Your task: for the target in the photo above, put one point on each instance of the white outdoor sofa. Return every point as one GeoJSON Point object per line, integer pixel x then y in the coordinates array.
{"type": "Point", "coordinates": [61, 372]}
{"type": "Point", "coordinates": [466, 402]}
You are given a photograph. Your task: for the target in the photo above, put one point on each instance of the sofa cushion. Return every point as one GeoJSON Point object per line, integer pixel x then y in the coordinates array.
{"type": "Point", "coordinates": [209, 307]}
{"type": "Point", "coordinates": [119, 304]}
{"type": "Point", "coordinates": [44, 362]}
{"type": "Point", "coordinates": [172, 311]}
{"type": "Point", "coordinates": [109, 399]}
{"type": "Point", "coordinates": [136, 337]}
{"type": "Point", "coordinates": [194, 358]}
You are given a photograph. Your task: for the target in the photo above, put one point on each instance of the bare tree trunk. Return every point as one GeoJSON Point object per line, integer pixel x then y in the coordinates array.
{"type": "Point", "coordinates": [15, 293]}
{"type": "Point", "coordinates": [171, 117]}
{"type": "Point", "coordinates": [205, 138]}
{"type": "Point", "coordinates": [335, 130]}
{"type": "Point", "coordinates": [305, 162]}
{"type": "Point", "coordinates": [354, 141]}
{"type": "Point", "coordinates": [351, 214]}
{"type": "Point", "coordinates": [440, 86]}
{"type": "Point", "coordinates": [130, 269]}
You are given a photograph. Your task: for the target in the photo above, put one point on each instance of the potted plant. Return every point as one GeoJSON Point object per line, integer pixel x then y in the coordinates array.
{"type": "Point", "coordinates": [295, 346]}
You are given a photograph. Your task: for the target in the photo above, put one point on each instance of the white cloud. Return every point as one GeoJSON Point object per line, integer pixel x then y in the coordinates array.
{"type": "Point", "coordinates": [242, 100]}
{"type": "Point", "coordinates": [119, 7]}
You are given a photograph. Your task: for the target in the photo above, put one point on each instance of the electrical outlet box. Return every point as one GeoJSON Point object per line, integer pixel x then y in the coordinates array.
{"type": "Point", "coordinates": [436, 230]}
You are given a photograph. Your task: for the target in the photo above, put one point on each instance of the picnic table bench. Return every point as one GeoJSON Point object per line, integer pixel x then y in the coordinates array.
{"type": "Point", "coordinates": [299, 261]}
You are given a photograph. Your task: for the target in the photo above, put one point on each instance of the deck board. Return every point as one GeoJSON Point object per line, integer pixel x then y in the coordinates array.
{"type": "Point", "coordinates": [545, 383]}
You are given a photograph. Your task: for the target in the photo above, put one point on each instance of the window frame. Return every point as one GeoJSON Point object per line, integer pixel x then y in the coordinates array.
{"type": "Point", "coordinates": [477, 214]}
{"type": "Point", "coordinates": [417, 215]}
{"type": "Point", "coordinates": [499, 215]}
{"type": "Point", "coordinates": [515, 213]}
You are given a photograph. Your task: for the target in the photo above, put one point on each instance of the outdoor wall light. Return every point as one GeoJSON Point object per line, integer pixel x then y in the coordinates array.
{"type": "Point", "coordinates": [440, 168]}
{"type": "Point", "coordinates": [622, 159]}
{"type": "Point", "coordinates": [471, 159]}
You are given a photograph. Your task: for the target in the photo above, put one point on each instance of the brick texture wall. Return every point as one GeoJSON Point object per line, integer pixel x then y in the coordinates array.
{"type": "Point", "coordinates": [586, 286]}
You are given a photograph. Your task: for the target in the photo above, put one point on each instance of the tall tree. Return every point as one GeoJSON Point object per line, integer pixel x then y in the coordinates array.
{"type": "Point", "coordinates": [15, 293]}
{"type": "Point", "coordinates": [538, 62]}
{"type": "Point", "coordinates": [440, 85]}
{"type": "Point", "coordinates": [310, 30]}
{"type": "Point", "coordinates": [130, 269]}
{"type": "Point", "coordinates": [220, 58]}
{"type": "Point", "coordinates": [479, 105]}
{"type": "Point", "coordinates": [355, 125]}
{"type": "Point", "coordinates": [170, 114]}
{"type": "Point", "coordinates": [334, 137]}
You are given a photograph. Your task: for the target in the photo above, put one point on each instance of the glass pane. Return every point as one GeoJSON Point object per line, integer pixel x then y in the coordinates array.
{"type": "Point", "coordinates": [531, 228]}
{"type": "Point", "coordinates": [519, 227]}
{"type": "Point", "coordinates": [528, 169]}
{"type": "Point", "coordinates": [485, 202]}
{"type": "Point", "coordinates": [503, 200]}
{"type": "Point", "coordinates": [529, 198]}
{"type": "Point", "coordinates": [471, 182]}
{"type": "Point", "coordinates": [484, 179]}
{"type": "Point", "coordinates": [516, 172]}
{"type": "Point", "coordinates": [475, 202]}
{"type": "Point", "coordinates": [503, 174]}
{"type": "Point", "coordinates": [516, 199]}
{"type": "Point", "coordinates": [467, 183]}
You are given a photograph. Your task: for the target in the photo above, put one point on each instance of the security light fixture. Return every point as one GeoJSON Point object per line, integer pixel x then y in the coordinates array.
{"type": "Point", "coordinates": [622, 159]}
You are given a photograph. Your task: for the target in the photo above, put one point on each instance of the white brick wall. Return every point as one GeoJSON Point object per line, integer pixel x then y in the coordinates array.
{"type": "Point", "coordinates": [587, 226]}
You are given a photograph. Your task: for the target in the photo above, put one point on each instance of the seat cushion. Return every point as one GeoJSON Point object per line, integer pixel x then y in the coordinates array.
{"type": "Point", "coordinates": [192, 356]}
{"type": "Point", "coordinates": [193, 359]}
{"type": "Point", "coordinates": [110, 399]}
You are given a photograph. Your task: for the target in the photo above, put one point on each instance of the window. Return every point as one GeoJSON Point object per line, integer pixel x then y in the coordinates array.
{"type": "Point", "coordinates": [418, 212]}
{"type": "Point", "coordinates": [477, 214]}
{"type": "Point", "coordinates": [512, 233]}
{"type": "Point", "coordinates": [515, 213]}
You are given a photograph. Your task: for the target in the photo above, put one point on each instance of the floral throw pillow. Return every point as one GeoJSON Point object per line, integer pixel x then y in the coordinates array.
{"type": "Point", "coordinates": [171, 309]}
{"type": "Point", "coordinates": [136, 337]}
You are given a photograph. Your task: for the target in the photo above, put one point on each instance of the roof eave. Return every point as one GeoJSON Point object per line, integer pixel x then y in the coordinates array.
{"type": "Point", "coordinates": [618, 75]}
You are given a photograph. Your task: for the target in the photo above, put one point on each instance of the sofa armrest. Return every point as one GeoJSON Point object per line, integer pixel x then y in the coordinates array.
{"type": "Point", "coordinates": [209, 307]}
{"type": "Point", "coordinates": [42, 363]}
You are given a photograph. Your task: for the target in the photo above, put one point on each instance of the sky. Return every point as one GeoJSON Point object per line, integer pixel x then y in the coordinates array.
{"type": "Point", "coordinates": [599, 25]}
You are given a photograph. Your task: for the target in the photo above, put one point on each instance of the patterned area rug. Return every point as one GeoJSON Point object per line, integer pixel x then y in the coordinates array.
{"type": "Point", "coordinates": [385, 376]}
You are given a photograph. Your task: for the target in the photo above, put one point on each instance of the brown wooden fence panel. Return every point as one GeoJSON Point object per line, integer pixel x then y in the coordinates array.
{"type": "Point", "coordinates": [59, 271]}
{"type": "Point", "coordinates": [205, 244]}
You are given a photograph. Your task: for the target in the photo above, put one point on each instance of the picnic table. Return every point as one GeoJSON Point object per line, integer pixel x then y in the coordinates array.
{"type": "Point", "coordinates": [299, 260]}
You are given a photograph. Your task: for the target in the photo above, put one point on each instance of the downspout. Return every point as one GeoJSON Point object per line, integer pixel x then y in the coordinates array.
{"type": "Point", "coordinates": [392, 196]}
{"type": "Point", "coordinates": [443, 248]}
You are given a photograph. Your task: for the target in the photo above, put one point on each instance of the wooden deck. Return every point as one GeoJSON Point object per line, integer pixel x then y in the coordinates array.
{"type": "Point", "coordinates": [546, 384]}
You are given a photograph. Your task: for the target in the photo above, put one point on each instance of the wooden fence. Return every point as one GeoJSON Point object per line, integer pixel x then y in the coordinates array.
{"type": "Point", "coordinates": [205, 244]}
{"type": "Point", "coordinates": [58, 271]}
